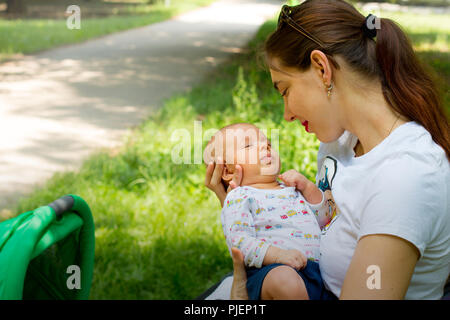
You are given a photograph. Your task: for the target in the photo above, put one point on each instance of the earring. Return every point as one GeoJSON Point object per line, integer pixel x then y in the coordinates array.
{"type": "Point", "coordinates": [329, 89]}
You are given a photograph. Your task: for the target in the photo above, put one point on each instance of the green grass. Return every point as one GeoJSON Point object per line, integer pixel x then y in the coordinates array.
{"type": "Point", "coordinates": [158, 232]}
{"type": "Point", "coordinates": [25, 36]}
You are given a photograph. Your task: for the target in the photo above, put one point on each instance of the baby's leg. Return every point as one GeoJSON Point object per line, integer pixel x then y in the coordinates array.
{"type": "Point", "coordinates": [283, 283]}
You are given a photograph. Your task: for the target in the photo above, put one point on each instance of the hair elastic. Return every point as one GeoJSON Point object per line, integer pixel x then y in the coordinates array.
{"type": "Point", "coordinates": [370, 31]}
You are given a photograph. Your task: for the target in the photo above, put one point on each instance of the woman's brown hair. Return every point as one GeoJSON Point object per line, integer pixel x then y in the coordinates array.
{"type": "Point", "coordinates": [407, 87]}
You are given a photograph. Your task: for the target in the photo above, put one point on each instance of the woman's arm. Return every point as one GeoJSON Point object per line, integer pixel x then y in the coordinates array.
{"type": "Point", "coordinates": [380, 257]}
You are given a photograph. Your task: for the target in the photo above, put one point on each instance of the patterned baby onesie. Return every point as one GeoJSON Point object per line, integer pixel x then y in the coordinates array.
{"type": "Point", "coordinates": [253, 219]}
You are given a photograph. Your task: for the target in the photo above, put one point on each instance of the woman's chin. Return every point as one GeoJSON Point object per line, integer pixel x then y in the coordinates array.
{"type": "Point", "coordinates": [330, 137]}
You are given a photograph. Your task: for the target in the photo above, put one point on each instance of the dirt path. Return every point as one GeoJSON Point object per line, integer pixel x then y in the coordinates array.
{"type": "Point", "coordinates": [59, 106]}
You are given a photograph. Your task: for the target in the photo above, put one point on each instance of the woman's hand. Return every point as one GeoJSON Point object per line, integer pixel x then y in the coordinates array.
{"type": "Point", "coordinates": [213, 180]}
{"type": "Point", "coordinates": [239, 287]}
{"type": "Point", "coordinates": [237, 179]}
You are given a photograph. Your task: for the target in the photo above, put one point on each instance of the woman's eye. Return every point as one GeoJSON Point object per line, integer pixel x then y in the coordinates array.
{"type": "Point", "coordinates": [247, 145]}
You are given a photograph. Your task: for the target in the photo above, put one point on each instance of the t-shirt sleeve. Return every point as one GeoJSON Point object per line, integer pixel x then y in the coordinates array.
{"type": "Point", "coordinates": [239, 228]}
{"type": "Point", "coordinates": [321, 211]}
{"type": "Point", "coordinates": [407, 200]}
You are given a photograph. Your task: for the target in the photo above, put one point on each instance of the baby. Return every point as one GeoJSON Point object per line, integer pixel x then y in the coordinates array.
{"type": "Point", "coordinates": [276, 227]}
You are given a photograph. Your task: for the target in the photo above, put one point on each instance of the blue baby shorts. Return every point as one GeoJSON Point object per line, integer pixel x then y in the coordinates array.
{"type": "Point", "coordinates": [310, 275]}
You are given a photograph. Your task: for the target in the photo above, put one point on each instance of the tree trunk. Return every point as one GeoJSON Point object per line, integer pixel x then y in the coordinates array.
{"type": "Point", "coordinates": [16, 7]}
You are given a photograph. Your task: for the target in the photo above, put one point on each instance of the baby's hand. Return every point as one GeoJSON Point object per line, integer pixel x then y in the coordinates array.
{"type": "Point", "coordinates": [292, 258]}
{"type": "Point", "coordinates": [310, 191]}
{"type": "Point", "coordinates": [293, 178]}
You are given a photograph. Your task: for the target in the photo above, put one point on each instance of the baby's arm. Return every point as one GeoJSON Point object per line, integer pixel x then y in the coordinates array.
{"type": "Point", "coordinates": [312, 194]}
{"type": "Point", "coordinates": [239, 229]}
{"type": "Point", "coordinates": [309, 190]}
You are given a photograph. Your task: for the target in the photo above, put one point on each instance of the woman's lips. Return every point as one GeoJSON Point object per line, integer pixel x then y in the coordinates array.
{"type": "Point", "coordinates": [305, 124]}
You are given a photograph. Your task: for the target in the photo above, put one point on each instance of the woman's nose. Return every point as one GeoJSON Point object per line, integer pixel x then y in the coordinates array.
{"type": "Point", "coordinates": [288, 116]}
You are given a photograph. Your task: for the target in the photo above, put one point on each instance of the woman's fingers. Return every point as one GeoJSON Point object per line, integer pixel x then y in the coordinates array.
{"type": "Point", "coordinates": [239, 287]}
{"type": "Point", "coordinates": [213, 180]}
{"type": "Point", "coordinates": [209, 172]}
{"type": "Point", "coordinates": [213, 175]}
{"type": "Point", "coordinates": [237, 178]}
{"type": "Point", "coordinates": [217, 174]}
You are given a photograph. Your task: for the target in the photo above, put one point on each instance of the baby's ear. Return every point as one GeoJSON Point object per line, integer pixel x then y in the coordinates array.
{"type": "Point", "coordinates": [227, 173]}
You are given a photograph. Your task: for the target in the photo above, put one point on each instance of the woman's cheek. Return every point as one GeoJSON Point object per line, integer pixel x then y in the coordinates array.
{"type": "Point", "coordinates": [295, 107]}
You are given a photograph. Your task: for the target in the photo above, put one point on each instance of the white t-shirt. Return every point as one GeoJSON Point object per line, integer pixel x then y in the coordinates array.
{"type": "Point", "coordinates": [401, 187]}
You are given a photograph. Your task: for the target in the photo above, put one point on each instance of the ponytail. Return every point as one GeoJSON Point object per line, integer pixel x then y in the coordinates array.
{"type": "Point", "coordinates": [408, 89]}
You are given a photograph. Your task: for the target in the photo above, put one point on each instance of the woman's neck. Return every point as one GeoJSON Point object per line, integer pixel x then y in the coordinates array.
{"type": "Point", "coordinates": [369, 117]}
{"type": "Point", "coordinates": [367, 140]}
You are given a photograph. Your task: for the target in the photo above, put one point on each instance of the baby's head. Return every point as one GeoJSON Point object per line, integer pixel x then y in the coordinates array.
{"type": "Point", "coordinates": [246, 145]}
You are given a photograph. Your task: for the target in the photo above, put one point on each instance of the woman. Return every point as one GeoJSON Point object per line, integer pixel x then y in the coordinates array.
{"type": "Point", "coordinates": [383, 160]}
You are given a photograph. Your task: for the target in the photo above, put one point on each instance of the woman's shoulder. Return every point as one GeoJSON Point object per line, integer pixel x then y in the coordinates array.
{"type": "Point", "coordinates": [407, 192]}
{"type": "Point", "coordinates": [410, 156]}
{"type": "Point", "coordinates": [415, 141]}
{"type": "Point", "coordinates": [411, 177]}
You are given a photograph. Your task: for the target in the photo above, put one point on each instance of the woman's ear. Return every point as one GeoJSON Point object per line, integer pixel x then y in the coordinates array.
{"type": "Point", "coordinates": [322, 66]}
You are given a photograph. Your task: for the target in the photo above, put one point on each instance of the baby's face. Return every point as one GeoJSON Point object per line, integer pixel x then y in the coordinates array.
{"type": "Point", "coordinates": [246, 145]}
